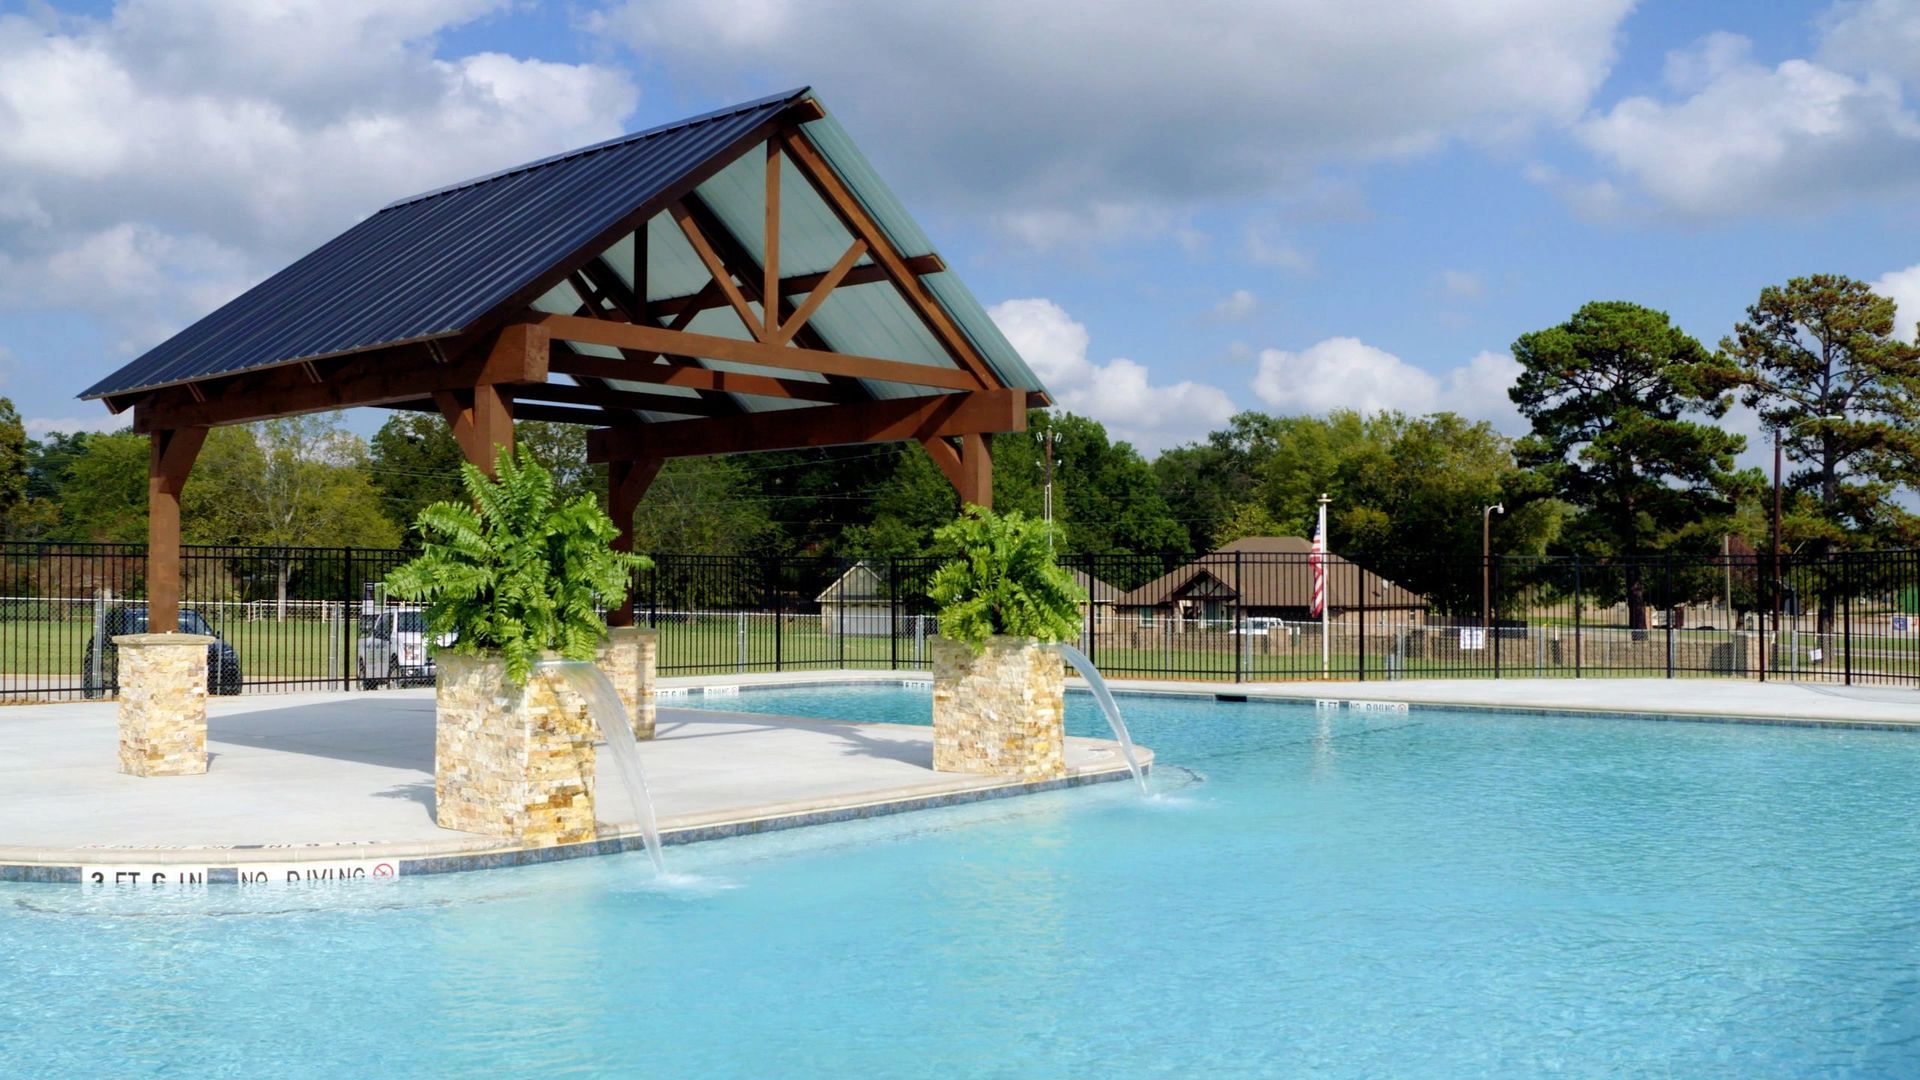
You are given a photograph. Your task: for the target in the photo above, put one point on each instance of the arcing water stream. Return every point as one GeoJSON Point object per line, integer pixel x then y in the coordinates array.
{"type": "Point", "coordinates": [1105, 697]}
{"type": "Point", "coordinates": [583, 677]}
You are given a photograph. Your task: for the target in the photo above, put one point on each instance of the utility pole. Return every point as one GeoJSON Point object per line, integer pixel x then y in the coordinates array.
{"type": "Point", "coordinates": [1046, 497]}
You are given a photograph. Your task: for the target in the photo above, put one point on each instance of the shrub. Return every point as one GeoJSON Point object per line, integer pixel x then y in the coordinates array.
{"type": "Point", "coordinates": [513, 573]}
{"type": "Point", "coordinates": [1002, 580]}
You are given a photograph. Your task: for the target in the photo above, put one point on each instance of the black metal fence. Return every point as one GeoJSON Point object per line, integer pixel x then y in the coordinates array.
{"type": "Point", "coordinates": [314, 618]}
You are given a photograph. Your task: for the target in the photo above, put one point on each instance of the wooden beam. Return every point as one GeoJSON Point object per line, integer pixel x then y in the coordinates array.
{"type": "Point", "coordinates": [510, 309]}
{"type": "Point", "coordinates": [518, 355]}
{"type": "Point", "coordinates": [610, 398]}
{"type": "Point", "coordinates": [698, 378]}
{"type": "Point", "coordinates": [796, 285]}
{"type": "Point", "coordinates": [770, 266]}
{"type": "Point", "coordinates": [627, 483]}
{"type": "Point", "coordinates": [976, 471]}
{"type": "Point", "coordinates": [895, 420]}
{"type": "Point", "coordinates": [170, 457]}
{"type": "Point", "coordinates": [818, 296]}
{"type": "Point", "coordinates": [842, 201]}
{"type": "Point", "coordinates": [721, 275]}
{"type": "Point", "coordinates": [659, 340]}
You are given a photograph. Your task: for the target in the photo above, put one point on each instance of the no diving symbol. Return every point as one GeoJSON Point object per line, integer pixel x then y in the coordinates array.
{"type": "Point", "coordinates": [383, 870]}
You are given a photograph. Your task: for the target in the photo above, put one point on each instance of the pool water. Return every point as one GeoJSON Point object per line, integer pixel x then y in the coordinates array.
{"type": "Point", "coordinates": [1433, 893]}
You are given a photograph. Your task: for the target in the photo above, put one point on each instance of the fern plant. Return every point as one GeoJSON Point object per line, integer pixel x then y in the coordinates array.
{"type": "Point", "coordinates": [1002, 580]}
{"type": "Point", "coordinates": [512, 572]}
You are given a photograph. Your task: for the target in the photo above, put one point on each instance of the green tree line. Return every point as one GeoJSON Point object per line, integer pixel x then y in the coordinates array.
{"type": "Point", "coordinates": [1626, 455]}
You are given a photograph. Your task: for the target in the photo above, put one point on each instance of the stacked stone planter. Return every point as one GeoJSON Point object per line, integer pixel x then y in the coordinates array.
{"type": "Point", "coordinates": [163, 704]}
{"type": "Point", "coordinates": [1001, 711]}
{"type": "Point", "coordinates": [628, 659]}
{"type": "Point", "coordinates": [511, 761]}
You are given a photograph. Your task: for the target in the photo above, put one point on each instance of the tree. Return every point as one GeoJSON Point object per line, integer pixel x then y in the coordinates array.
{"type": "Point", "coordinates": [702, 506]}
{"type": "Point", "coordinates": [103, 494]}
{"type": "Point", "coordinates": [1824, 346]}
{"type": "Point", "coordinates": [1247, 519]}
{"type": "Point", "coordinates": [286, 484]}
{"type": "Point", "coordinates": [1205, 483]}
{"type": "Point", "coordinates": [1609, 394]}
{"type": "Point", "coordinates": [13, 464]}
{"type": "Point", "coordinates": [414, 462]}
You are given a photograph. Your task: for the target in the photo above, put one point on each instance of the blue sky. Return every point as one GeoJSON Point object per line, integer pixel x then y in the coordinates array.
{"type": "Point", "coordinates": [1282, 204]}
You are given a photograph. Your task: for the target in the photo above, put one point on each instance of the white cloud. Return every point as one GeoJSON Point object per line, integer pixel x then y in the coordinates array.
{"type": "Point", "coordinates": [159, 159]}
{"type": "Point", "coordinates": [1903, 288]}
{"type": "Point", "coordinates": [1266, 249]}
{"type": "Point", "coordinates": [1238, 304]}
{"type": "Point", "coordinates": [39, 427]}
{"type": "Point", "coordinates": [1347, 373]}
{"type": "Point", "coordinates": [1463, 284]}
{"type": "Point", "coordinates": [1119, 393]}
{"type": "Point", "coordinates": [1872, 37]}
{"type": "Point", "coordinates": [1744, 138]}
{"type": "Point", "coordinates": [1055, 106]}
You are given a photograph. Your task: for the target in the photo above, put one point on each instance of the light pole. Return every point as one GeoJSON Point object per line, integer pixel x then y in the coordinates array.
{"type": "Point", "coordinates": [1778, 584]}
{"type": "Point", "coordinates": [1486, 568]}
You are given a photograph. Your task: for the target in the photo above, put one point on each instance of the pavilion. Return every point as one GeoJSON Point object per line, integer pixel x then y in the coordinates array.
{"type": "Point", "coordinates": [734, 282]}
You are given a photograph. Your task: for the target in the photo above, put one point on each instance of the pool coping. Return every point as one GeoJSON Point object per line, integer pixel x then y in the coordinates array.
{"type": "Point", "coordinates": [1326, 695]}
{"type": "Point", "coordinates": [460, 853]}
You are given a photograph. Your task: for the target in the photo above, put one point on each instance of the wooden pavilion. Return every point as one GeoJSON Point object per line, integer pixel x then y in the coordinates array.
{"type": "Point", "coordinates": [738, 281]}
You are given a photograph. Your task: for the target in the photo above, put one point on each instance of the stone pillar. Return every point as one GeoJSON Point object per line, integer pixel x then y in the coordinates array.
{"type": "Point", "coordinates": [163, 703]}
{"type": "Point", "coordinates": [628, 660]}
{"type": "Point", "coordinates": [1000, 712]}
{"type": "Point", "coordinates": [510, 761]}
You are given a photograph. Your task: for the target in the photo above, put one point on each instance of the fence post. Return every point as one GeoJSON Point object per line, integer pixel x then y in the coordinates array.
{"type": "Point", "coordinates": [1493, 620]}
{"type": "Point", "coordinates": [1846, 616]}
{"type": "Point", "coordinates": [347, 621]}
{"type": "Point", "coordinates": [893, 613]}
{"type": "Point", "coordinates": [1576, 617]}
{"type": "Point", "coordinates": [1239, 635]}
{"type": "Point", "coordinates": [1360, 587]}
{"type": "Point", "coordinates": [773, 590]}
{"type": "Point", "coordinates": [1666, 601]}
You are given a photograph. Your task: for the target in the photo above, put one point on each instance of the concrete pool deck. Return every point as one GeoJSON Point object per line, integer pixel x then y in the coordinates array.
{"type": "Point", "coordinates": [317, 778]}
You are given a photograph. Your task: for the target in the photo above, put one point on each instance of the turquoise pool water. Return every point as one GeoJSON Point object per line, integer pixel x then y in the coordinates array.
{"type": "Point", "coordinates": [1426, 894]}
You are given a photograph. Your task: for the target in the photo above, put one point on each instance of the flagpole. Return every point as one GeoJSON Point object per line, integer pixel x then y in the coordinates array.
{"type": "Point", "coordinates": [1326, 596]}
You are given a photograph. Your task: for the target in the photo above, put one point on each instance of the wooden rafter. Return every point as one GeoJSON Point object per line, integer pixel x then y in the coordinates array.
{"type": "Point", "coordinates": [795, 322]}
{"type": "Point", "coordinates": [770, 265]}
{"type": "Point", "coordinates": [721, 275]}
{"type": "Point", "coordinates": [656, 339]}
{"type": "Point", "coordinates": [892, 420]}
{"type": "Point", "coordinates": [855, 217]}
{"type": "Point", "coordinates": [709, 296]}
{"type": "Point", "coordinates": [699, 378]}
{"type": "Point", "coordinates": [628, 305]}
{"type": "Point", "coordinates": [607, 397]}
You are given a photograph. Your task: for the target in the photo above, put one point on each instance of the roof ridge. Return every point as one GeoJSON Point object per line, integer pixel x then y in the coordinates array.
{"type": "Point", "coordinates": [607, 144]}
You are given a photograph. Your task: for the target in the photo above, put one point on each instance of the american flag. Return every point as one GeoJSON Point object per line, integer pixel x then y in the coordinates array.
{"type": "Point", "coordinates": [1317, 564]}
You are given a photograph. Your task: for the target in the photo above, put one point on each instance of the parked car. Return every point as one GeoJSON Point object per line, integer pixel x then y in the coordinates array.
{"type": "Point", "coordinates": [223, 664]}
{"type": "Point", "coordinates": [393, 648]}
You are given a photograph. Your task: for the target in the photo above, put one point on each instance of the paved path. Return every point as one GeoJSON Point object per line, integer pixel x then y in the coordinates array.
{"type": "Point", "coordinates": [296, 770]}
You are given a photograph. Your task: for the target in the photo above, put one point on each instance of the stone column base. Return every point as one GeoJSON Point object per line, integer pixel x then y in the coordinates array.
{"type": "Point", "coordinates": [510, 761]}
{"type": "Point", "coordinates": [1000, 712]}
{"type": "Point", "coordinates": [163, 704]}
{"type": "Point", "coordinates": [628, 659]}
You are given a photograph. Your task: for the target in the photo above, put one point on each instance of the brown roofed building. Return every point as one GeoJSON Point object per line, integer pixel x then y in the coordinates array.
{"type": "Point", "coordinates": [1265, 577]}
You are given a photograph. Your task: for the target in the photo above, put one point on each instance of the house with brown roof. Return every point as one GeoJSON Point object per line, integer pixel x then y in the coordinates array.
{"type": "Point", "coordinates": [1263, 580]}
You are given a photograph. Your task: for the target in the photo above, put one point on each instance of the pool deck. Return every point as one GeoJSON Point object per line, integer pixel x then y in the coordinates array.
{"type": "Point", "coordinates": [315, 778]}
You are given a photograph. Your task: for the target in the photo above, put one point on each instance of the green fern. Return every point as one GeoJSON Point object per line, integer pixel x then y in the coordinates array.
{"type": "Point", "coordinates": [514, 574]}
{"type": "Point", "coordinates": [1002, 580]}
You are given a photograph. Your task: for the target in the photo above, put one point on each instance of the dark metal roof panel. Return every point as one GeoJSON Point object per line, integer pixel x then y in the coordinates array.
{"type": "Point", "coordinates": [433, 264]}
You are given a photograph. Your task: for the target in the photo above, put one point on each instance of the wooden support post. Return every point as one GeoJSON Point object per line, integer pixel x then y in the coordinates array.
{"type": "Point", "coordinates": [976, 467]}
{"type": "Point", "coordinates": [482, 421]}
{"type": "Point", "coordinates": [627, 483]}
{"type": "Point", "coordinates": [170, 460]}
{"type": "Point", "coordinates": [969, 469]}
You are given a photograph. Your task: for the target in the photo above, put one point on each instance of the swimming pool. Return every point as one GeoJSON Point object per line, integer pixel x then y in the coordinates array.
{"type": "Point", "coordinates": [1336, 893]}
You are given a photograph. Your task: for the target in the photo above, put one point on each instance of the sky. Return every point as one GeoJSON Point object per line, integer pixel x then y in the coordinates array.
{"type": "Point", "coordinates": [1286, 205]}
